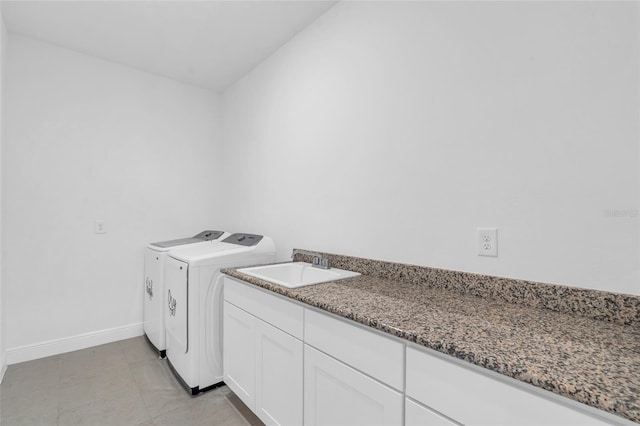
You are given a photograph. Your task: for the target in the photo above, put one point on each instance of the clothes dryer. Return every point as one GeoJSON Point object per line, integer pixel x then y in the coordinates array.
{"type": "Point", "coordinates": [194, 305]}
{"type": "Point", "coordinates": [154, 294]}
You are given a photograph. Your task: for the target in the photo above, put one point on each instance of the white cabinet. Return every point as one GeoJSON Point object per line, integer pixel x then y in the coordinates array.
{"type": "Point", "coordinates": [278, 376]}
{"type": "Point", "coordinates": [352, 344]}
{"type": "Point", "coordinates": [274, 348]}
{"type": "Point", "coordinates": [239, 354]}
{"type": "Point", "coordinates": [262, 363]}
{"type": "Point", "coordinates": [336, 394]}
{"type": "Point", "coordinates": [472, 396]}
{"type": "Point", "coordinates": [276, 310]}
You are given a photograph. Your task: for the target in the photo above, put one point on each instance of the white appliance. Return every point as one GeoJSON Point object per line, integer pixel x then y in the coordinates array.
{"type": "Point", "coordinates": [154, 294]}
{"type": "Point", "coordinates": [194, 305]}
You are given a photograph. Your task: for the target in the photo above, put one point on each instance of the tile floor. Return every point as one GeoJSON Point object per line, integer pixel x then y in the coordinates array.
{"type": "Point", "coordinates": [119, 384]}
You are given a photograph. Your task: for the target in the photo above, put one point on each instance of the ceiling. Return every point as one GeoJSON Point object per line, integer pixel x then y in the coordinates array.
{"type": "Point", "coordinates": [210, 44]}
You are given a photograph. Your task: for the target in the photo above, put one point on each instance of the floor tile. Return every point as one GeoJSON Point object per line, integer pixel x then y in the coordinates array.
{"type": "Point", "coordinates": [90, 363]}
{"type": "Point", "coordinates": [41, 402]}
{"type": "Point", "coordinates": [162, 401]}
{"type": "Point", "coordinates": [137, 349]}
{"type": "Point", "coordinates": [154, 374]}
{"type": "Point", "coordinates": [50, 362]}
{"type": "Point", "coordinates": [30, 376]}
{"type": "Point", "coordinates": [31, 419]}
{"type": "Point", "coordinates": [119, 384]}
{"type": "Point", "coordinates": [216, 412]}
{"type": "Point", "coordinates": [102, 387]}
{"type": "Point", "coordinates": [124, 411]}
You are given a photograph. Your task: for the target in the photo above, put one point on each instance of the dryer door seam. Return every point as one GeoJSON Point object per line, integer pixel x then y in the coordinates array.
{"type": "Point", "coordinates": [187, 303]}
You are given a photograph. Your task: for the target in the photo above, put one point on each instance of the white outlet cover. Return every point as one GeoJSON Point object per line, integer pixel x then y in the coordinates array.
{"type": "Point", "coordinates": [488, 242]}
{"type": "Point", "coordinates": [98, 227]}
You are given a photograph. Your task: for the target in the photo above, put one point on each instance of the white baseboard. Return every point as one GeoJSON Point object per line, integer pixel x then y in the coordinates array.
{"type": "Point", "coordinates": [73, 343]}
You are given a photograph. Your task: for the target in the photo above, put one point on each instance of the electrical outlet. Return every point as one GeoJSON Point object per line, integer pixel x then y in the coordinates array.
{"type": "Point", "coordinates": [98, 227]}
{"type": "Point", "coordinates": [488, 242]}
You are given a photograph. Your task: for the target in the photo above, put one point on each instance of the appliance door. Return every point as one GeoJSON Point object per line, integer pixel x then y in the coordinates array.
{"type": "Point", "coordinates": [177, 305]}
{"type": "Point", "coordinates": [153, 298]}
{"type": "Point", "coordinates": [212, 333]}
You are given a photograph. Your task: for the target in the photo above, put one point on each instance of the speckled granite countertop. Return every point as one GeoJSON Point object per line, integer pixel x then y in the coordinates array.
{"type": "Point", "coordinates": [593, 361]}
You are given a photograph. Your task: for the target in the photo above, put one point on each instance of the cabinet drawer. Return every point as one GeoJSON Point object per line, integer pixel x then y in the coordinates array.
{"type": "Point", "coordinates": [367, 351]}
{"type": "Point", "coordinates": [476, 398]}
{"type": "Point", "coordinates": [279, 312]}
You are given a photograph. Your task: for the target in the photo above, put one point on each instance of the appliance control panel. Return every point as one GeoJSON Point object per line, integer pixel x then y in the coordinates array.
{"type": "Point", "coordinates": [208, 235]}
{"type": "Point", "coordinates": [243, 239]}
{"type": "Point", "coordinates": [202, 236]}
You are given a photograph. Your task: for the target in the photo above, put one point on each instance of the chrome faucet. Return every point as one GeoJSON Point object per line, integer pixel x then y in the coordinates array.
{"type": "Point", "coordinates": [316, 258]}
{"type": "Point", "coordinates": [320, 262]}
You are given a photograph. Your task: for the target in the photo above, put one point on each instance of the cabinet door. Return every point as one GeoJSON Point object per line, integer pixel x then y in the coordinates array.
{"type": "Point", "coordinates": [279, 376]}
{"type": "Point", "coordinates": [336, 394]}
{"type": "Point", "coordinates": [176, 312]}
{"type": "Point", "coordinates": [418, 415]}
{"type": "Point", "coordinates": [154, 298]}
{"type": "Point", "coordinates": [239, 353]}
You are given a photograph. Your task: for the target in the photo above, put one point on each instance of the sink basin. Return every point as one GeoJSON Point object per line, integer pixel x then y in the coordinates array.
{"type": "Point", "coordinates": [297, 274]}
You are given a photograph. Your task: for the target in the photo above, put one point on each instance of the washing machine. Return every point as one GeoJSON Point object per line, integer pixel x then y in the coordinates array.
{"type": "Point", "coordinates": [154, 294]}
{"type": "Point", "coordinates": [193, 314]}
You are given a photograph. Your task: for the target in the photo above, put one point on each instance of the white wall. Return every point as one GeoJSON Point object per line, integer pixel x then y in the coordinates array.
{"type": "Point", "coordinates": [393, 130]}
{"type": "Point", "coordinates": [88, 139]}
{"type": "Point", "coordinates": [3, 51]}
{"type": "Point", "coordinates": [387, 130]}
